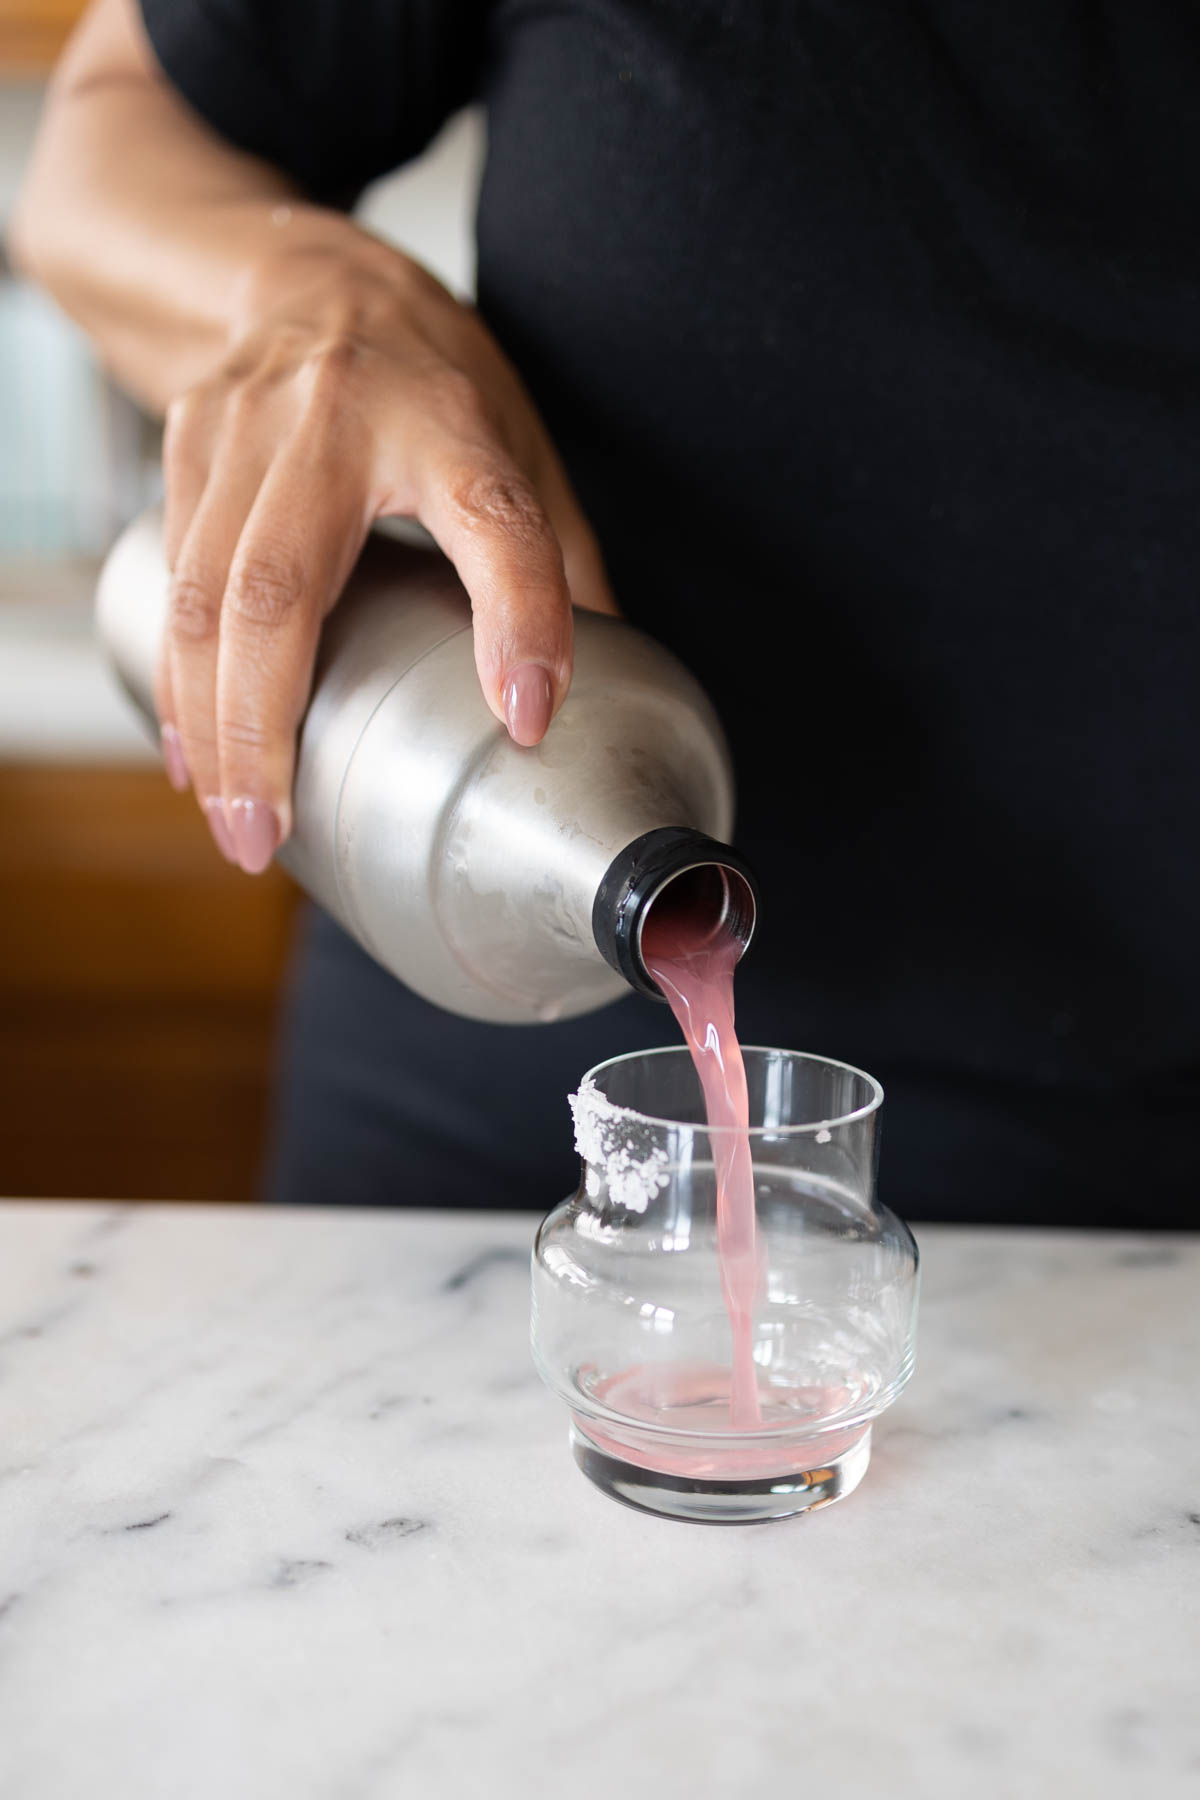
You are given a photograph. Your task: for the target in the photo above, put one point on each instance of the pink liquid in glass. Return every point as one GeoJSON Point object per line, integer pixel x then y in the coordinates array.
{"type": "Point", "coordinates": [655, 1402]}
{"type": "Point", "coordinates": [693, 962]}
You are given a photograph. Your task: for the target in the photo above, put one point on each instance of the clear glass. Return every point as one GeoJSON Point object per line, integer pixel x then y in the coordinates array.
{"type": "Point", "coordinates": [629, 1322]}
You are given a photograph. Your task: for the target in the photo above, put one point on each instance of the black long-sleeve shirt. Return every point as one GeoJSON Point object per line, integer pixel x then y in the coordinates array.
{"type": "Point", "coordinates": [869, 331]}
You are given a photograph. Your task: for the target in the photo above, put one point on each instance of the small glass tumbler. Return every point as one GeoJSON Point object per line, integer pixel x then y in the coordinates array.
{"type": "Point", "coordinates": [630, 1323]}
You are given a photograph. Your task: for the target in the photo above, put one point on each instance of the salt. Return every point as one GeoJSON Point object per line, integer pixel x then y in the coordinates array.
{"type": "Point", "coordinates": [606, 1137]}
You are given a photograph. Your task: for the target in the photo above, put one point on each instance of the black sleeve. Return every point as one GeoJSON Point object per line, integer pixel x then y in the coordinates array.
{"type": "Point", "coordinates": [333, 92]}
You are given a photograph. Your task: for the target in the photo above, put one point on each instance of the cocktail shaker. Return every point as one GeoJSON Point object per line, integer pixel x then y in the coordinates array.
{"type": "Point", "coordinates": [502, 883]}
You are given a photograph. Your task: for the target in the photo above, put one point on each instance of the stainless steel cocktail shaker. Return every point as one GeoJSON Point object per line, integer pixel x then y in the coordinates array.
{"type": "Point", "coordinates": [502, 883]}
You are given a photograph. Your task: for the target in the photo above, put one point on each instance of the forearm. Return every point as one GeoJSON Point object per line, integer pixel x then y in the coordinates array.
{"type": "Point", "coordinates": [147, 227]}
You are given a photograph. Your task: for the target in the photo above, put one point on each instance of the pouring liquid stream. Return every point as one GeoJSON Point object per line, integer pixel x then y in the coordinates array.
{"type": "Point", "coordinates": [693, 960]}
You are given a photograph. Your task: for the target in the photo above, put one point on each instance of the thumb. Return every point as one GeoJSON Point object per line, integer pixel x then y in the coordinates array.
{"type": "Point", "coordinates": [490, 523]}
{"type": "Point", "coordinates": [587, 578]}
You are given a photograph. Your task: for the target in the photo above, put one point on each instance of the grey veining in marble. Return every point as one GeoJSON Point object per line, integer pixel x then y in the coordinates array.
{"type": "Point", "coordinates": [284, 1512]}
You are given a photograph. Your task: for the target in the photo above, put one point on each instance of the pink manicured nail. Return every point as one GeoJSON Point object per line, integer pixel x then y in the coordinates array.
{"type": "Point", "coordinates": [256, 834]}
{"type": "Point", "coordinates": [528, 703]}
{"type": "Point", "coordinates": [214, 807]}
{"type": "Point", "coordinates": [172, 753]}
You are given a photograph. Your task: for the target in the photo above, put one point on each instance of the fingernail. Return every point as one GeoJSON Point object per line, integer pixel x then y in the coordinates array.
{"type": "Point", "coordinates": [214, 807]}
{"type": "Point", "coordinates": [255, 834]}
{"type": "Point", "coordinates": [172, 752]}
{"type": "Point", "coordinates": [528, 703]}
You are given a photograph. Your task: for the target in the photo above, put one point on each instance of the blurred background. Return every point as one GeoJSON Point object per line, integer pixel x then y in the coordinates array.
{"type": "Point", "coordinates": [139, 975]}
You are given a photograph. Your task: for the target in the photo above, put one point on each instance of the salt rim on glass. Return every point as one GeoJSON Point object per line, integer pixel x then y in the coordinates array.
{"type": "Point", "coordinates": [610, 1139]}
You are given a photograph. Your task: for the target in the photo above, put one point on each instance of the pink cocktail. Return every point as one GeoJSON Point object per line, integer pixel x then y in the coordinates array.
{"type": "Point", "coordinates": [724, 1308]}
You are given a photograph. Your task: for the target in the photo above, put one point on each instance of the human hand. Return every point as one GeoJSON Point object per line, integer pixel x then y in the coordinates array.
{"type": "Point", "coordinates": [355, 387]}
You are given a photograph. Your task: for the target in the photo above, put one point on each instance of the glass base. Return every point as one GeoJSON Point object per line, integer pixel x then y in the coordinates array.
{"type": "Point", "coordinates": [745, 1501]}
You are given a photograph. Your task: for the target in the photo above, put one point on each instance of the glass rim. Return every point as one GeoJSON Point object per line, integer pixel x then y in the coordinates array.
{"type": "Point", "coordinates": [808, 1056]}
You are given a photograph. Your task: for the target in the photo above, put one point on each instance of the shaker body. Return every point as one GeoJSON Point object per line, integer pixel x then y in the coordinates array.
{"type": "Point", "coordinates": [467, 865]}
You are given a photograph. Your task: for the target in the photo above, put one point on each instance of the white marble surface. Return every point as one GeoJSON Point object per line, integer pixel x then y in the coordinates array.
{"type": "Point", "coordinates": [285, 1512]}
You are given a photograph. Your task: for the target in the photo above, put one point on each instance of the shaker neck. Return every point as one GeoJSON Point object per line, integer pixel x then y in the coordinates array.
{"type": "Point", "coordinates": [699, 879]}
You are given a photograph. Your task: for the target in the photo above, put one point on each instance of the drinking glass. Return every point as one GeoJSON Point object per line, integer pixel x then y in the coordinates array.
{"type": "Point", "coordinates": [630, 1326]}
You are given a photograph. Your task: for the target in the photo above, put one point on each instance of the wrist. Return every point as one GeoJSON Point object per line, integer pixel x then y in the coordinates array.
{"type": "Point", "coordinates": [312, 260]}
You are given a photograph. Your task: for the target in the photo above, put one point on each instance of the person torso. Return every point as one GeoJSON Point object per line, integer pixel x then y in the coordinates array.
{"type": "Point", "coordinates": [869, 333]}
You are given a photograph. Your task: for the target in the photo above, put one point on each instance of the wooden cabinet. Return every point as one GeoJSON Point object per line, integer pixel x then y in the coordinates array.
{"type": "Point", "coordinates": [139, 984]}
{"type": "Point", "coordinates": [32, 32]}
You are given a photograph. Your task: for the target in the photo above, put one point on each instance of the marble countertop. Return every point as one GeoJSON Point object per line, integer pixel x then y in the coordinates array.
{"type": "Point", "coordinates": [285, 1512]}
